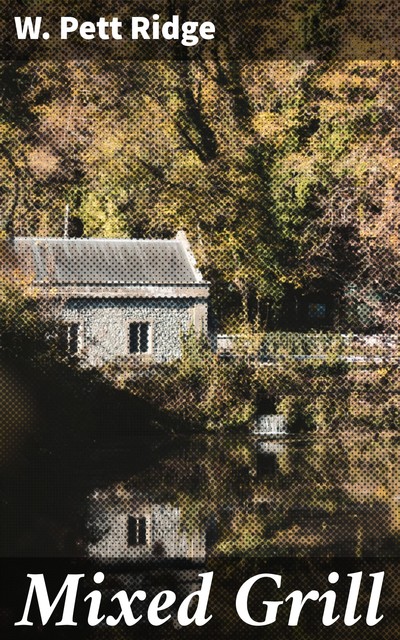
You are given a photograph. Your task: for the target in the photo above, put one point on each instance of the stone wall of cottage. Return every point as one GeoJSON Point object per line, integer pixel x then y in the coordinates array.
{"type": "Point", "coordinates": [104, 325]}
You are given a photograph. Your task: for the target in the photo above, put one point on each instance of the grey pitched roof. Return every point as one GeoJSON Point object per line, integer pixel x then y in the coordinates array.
{"type": "Point", "coordinates": [81, 261]}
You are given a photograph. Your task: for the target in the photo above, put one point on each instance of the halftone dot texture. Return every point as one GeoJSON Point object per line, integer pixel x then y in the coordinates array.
{"type": "Point", "coordinates": [232, 391]}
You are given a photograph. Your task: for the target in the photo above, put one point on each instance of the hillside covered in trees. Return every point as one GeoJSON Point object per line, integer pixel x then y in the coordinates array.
{"type": "Point", "coordinates": [285, 173]}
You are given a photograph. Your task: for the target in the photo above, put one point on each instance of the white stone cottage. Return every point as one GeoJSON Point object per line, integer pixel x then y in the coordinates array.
{"type": "Point", "coordinates": [118, 298]}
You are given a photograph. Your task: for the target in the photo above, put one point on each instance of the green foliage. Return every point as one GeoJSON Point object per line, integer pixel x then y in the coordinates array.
{"type": "Point", "coordinates": [20, 321]}
{"type": "Point", "coordinates": [199, 389]}
{"type": "Point", "coordinates": [208, 392]}
{"type": "Point", "coordinates": [275, 169]}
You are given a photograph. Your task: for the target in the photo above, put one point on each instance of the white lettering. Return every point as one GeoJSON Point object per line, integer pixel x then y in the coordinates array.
{"type": "Point", "coordinates": [298, 602]}
{"type": "Point", "coordinates": [189, 39]}
{"type": "Point", "coordinates": [207, 31]}
{"type": "Point", "coordinates": [243, 596]}
{"type": "Point", "coordinates": [160, 602]}
{"type": "Point", "coordinates": [38, 585]}
{"type": "Point", "coordinates": [328, 617]}
{"type": "Point", "coordinates": [170, 29]}
{"type": "Point", "coordinates": [126, 608]}
{"type": "Point", "coordinates": [376, 591]}
{"type": "Point", "coordinates": [27, 27]}
{"type": "Point", "coordinates": [140, 25]}
{"type": "Point", "coordinates": [68, 25]}
{"type": "Point", "coordinates": [354, 591]}
{"type": "Point", "coordinates": [87, 30]}
{"type": "Point", "coordinates": [95, 602]}
{"type": "Point", "coordinates": [199, 616]}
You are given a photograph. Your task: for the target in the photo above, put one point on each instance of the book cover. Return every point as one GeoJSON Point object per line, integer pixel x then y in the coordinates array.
{"type": "Point", "coordinates": [199, 319]}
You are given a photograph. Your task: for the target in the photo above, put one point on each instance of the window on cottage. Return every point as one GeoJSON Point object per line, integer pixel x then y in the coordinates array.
{"type": "Point", "coordinates": [136, 531]}
{"type": "Point", "coordinates": [70, 338]}
{"type": "Point", "coordinates": [139, 337]}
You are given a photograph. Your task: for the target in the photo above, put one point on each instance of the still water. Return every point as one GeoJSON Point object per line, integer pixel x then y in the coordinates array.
{"type": "Point", "coordinates": [246, 496]}
{"type": "Point", "coordinates": [210, 496]}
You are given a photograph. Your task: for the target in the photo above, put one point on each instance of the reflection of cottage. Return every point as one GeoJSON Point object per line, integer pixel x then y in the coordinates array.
{"type": "Point", "coordinates": [118, 297]}
{"type": "Point", "coordinates": [127, 526]}
{"type": "Point", "coordinates": [269, 457]}
{"type": "Point", "coordinates": [271, 449]}
{"type": "Point", "coordinates": [271, 425]}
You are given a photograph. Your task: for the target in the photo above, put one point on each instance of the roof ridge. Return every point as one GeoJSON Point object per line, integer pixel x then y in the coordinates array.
{"type": "Point", "coordinates": [61, 239]}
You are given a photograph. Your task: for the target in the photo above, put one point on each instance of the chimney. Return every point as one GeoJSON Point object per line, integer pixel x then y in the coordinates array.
{"type": "Point", "coordinates": [66, 222]}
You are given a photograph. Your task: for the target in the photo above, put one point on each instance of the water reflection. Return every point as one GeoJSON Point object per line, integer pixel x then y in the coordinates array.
{"type": "Point", "coordinates": [127, 526]}
{"type": "Point", "coordinates": [257, 496]}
